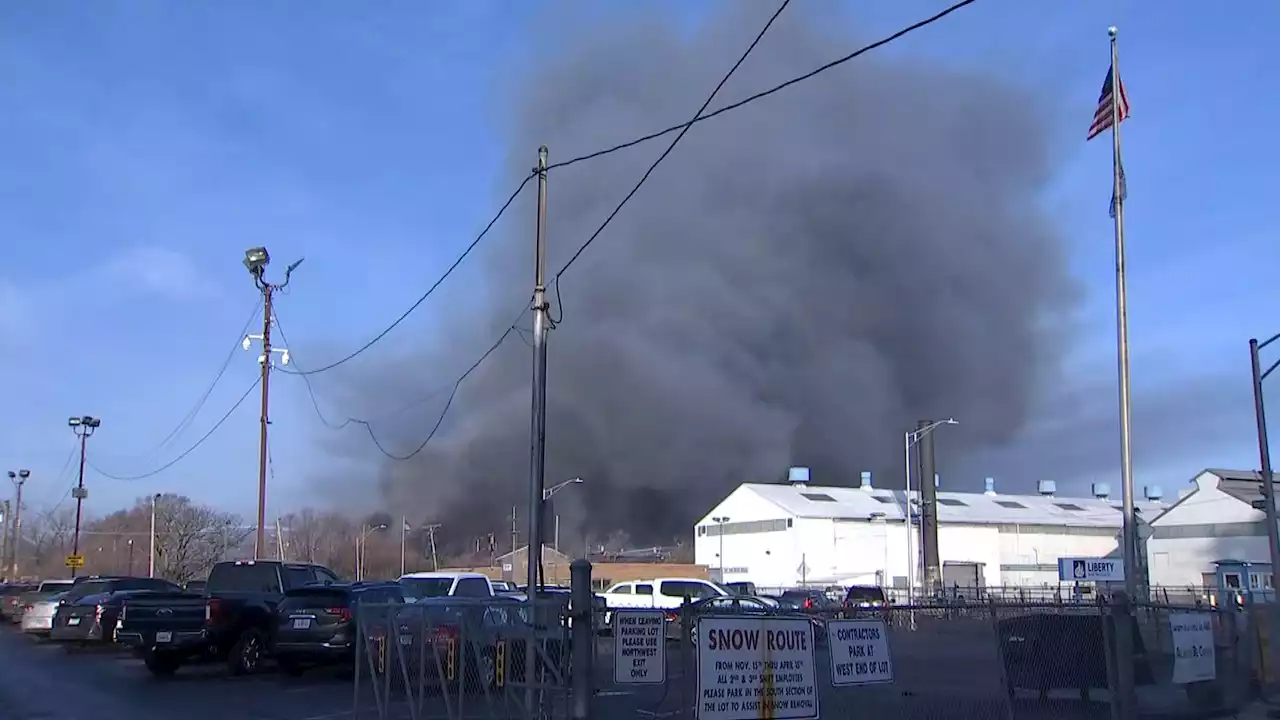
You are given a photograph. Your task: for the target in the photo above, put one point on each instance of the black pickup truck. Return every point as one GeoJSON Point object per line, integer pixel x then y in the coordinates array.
{"type": "Point", "coordinates": [232, 622]}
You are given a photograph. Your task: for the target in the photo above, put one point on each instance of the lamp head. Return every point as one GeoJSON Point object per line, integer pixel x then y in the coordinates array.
{"type": "Point", "coordinates": [577, 481]}
{"type": "Point", "coordinates": [256, 260]}
{"type": "Point", "coordinates": [24, 474]}
{"type": "Point", "coordinates": [380, 527]}
{"type": "Point", "coordinates": [73, 422]}
{"type": "Point", "coordinates": [951, 421]}
{"type": "Point", "coordinates": [246, 343]}
{"type": "Point", "coordinates": [12, 475]}
{"type": "Point", "coordinates": [89, 421]}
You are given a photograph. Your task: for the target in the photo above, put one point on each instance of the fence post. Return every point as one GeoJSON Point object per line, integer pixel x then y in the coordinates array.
{"type": "Point", "coordinates": [688, 662]}
{"type": "Point", "coordinates": [1124, 698]}
{"type": "Point", "coordinates": [583, 637]}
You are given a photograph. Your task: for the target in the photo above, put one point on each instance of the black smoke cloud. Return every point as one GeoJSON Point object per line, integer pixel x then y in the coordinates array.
{"type": "Point", "coordinates": [799, 282]}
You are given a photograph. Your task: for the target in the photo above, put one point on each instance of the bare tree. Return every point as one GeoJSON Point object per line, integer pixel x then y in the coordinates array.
{"type": "Point", "coordinates": [190, 538]}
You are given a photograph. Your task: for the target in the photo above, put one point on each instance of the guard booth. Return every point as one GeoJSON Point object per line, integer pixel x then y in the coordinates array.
{"type": "Point", "coordinates": [1242, 582]}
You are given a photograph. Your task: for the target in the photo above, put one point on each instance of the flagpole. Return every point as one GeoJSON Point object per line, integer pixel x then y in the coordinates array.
{"type": "Point", "coordinates": [1130, 533]}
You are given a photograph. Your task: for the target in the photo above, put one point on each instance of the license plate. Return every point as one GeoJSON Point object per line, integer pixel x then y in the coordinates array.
{"type": "Point", "coordinates": [301, 623]}
{"type": "Point", "coordinates": [73, 621]}
{"type": "Point", "coordinates": [406, 639]}
{"type": "Point", "coordinates": [164, 637]}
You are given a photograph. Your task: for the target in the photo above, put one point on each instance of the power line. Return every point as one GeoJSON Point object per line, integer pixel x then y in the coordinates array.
{"type": "Point", "coordinates": [465, 253]}
{"type": "Point", "coordinates": [189, 450]}
{"type": "Point", "coordinates": [622, 146]}
{"type": "Point", "coordinates": [683, 130]}
{"type": "Point", "coordinates": [191, 415]}
{"type": "Point", "coordinates": [451, 388]}
{"type": "Point", "coordinates": [765, 93]}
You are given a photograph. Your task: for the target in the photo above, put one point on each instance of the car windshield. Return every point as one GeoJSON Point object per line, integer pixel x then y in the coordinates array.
{"type": "Point", "coordinates": [90, 588]}
{"type": "Point", "coordinates": [54, 586]}
{"type": "Point", "coordinates": [865, 594]}
{"type": "Point", "coordinates": [426, 587]}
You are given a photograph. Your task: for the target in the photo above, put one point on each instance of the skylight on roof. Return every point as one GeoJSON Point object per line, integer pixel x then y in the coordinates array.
{"type": "Point", "coordinates": [953, 502]}
{"type": "Point", "coordinates": [884, 499]}
{"type": "Point", "coordinates": [817, 497]}
{"type": "Point", "coordinates": [1069, 506]}
{"type": "Point", "coordinates": [1011, 504]}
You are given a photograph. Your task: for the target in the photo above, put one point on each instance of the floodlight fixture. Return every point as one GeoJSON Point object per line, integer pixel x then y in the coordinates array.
{"type": "Point", "coordinates": [24, 474]}
{"type": "Point", "coordinates": [256, 260]}
{"type": "Point", "coordinates": [13, 475]}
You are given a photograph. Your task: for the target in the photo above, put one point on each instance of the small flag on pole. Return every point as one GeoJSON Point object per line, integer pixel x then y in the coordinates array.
{"type": "Point", "coordinates": [1102, 116]}
{"type": "Point", "coordinates": [406, 525]}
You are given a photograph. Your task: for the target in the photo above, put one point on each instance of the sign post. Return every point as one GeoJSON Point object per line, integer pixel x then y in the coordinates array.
{"type": "Point", "coordinates": [1090, 569]}
{"type": "Point", "coordinates": [756, 667]}
{"type": "Point", "coordinates": [639, 647]}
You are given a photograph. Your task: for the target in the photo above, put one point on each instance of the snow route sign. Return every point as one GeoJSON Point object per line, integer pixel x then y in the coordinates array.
{"type": "Point", "coordinates": [639, 647]}
{"type": "Point", "coordinates": [859, 652]}
{"type": "Point", "coordinates": [756, 667]}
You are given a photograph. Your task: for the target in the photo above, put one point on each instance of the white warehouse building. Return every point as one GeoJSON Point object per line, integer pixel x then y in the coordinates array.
{"type": "Point", "coordinates": [789, 534]}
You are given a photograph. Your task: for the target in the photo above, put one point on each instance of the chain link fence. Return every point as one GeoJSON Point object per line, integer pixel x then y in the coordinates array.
{"type": "Point", "coordinates": [1036, 661]}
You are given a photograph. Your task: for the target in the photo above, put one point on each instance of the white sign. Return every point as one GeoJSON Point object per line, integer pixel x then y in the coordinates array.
{"type": "Point", "coordinates": [1091, 569]}
{"type": "Point", "coordinates": [639, 647]}
{"type": "Point", "coordinates": [1193, 657]}
{"type": "Point", "coordinates": [859, 652]}
{"type": "Point", "coordinates": [756, 667]}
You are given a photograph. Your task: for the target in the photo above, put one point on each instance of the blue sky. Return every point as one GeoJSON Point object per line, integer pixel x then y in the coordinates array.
{"type": "Point", "coordinates": [147, 144]}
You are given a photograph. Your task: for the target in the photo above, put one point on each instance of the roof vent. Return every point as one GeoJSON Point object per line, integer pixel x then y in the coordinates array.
{"type": "Point", "coordinates": [1047, 487]}
{"type": "Point", "coordinates": [989, 486]}
{"type": "Point", "coordinates": [1102, 491]}
{"type": "Point", "coordinates": [1153, 493]}
{"type": "Point", "coordinates": [798, 476]}
{"type": "Point", "coordinates": [866, 480]}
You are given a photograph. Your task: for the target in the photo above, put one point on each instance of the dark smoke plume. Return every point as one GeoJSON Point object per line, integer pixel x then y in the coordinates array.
{"type": "Point", "coordinates": [797, 284]}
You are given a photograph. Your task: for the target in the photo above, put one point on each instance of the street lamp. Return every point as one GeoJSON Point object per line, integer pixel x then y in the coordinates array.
{"type": "Point", "coordinates": [546, 495]}
{"type": "Point", "coordinates": [83, 427]}
{"type": "Point", "coordinates": [256, 260]}
{"type": "Point", "coordinates": [720, 521]}
{"type": "Point", "coordinates": [362, 542]}
{"type": "Point", "coordinates": [910, 438]}
{"type": "Point", "coordinates": [19, 479]}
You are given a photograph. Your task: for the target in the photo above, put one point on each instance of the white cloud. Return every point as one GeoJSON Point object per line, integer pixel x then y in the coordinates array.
{"type": "Point", "coordinates": [155, 270]}
{"type": "Point", "coordinates": [16, 310]}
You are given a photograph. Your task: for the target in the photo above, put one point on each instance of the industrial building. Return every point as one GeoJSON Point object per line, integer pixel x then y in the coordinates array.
{"type": "Point", "coordinates": [794, 533]}
{"type": "Point", "coordinates": [1214, 536]}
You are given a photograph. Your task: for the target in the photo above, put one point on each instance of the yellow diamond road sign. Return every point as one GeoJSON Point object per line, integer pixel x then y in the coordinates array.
{"type": "Point", "coordinates": [75, 561]}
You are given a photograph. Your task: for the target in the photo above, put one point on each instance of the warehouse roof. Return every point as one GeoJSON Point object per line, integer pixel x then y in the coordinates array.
{"type": "Point", "coordinates": [815, 501]}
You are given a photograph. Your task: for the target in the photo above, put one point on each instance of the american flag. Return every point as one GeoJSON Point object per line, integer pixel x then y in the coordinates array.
{"type": "Point", "coordinates": [1102, 120]}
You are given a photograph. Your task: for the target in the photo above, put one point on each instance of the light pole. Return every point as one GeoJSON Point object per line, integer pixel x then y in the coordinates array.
{"type": "Point", "coordinates": [910, 438]}
{"type": "Point", "coordinates": [151, 561]}
{"type": "Point", "coordinates": [1264, 450]}
{"type": "Point", "coordinates": [18, 479]}
{"type": "Point", "coordinates": [720, 521]}
{"type": "Point", "coordinates": [256, 260]}
{"type": "Point", "coordinates": [83, 427]}
{"type": "Point", "coordinates": [546, 496]}
{"type": "Point", "coordinates": [130, 573]}
{"type": "Point", "coordinates": [362, 544]}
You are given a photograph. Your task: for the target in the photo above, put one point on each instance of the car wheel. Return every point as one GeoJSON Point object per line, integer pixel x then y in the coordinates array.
{"type": "Point", "coordinates": [246, 654]}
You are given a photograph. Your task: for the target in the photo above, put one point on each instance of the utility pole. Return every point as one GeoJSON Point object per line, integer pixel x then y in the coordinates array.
{"type": "Point", "coordinates": [151, 551]}
{"type": "Point", "coordinates": [928, 510]}
{"type": "Point", "coordinates": [4, 542]}
{"type": "Point", "coordinates": [19, 479]}
{"type": "Point", "coordinates": [1264, 449]}
{"type": "Point", "coordinates": [515, 533]}
{"type": "Point", "coordinates": [82, 426]}
{"type": "Point", "coordinates": [538, 437]}
{"type": "Point", "coordinates": [256, 260]}
{"type": "Point", "coordinates": [431, 538]}
{"type": "Point", "coordinates": [538, 421]}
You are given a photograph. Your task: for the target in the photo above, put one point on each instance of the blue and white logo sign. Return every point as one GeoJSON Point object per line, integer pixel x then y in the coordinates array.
{"type": "Point", "coordinates": [1091, 570]}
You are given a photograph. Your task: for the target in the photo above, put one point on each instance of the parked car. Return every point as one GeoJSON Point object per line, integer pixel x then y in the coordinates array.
{"type": "Point", "coordinates": [659, 593]}
{"type": "Point", "coordinates": [865, 597]}
{"type": "Point", "coordinates": [445, 584]}
{"type": "Point", "coordinates": [456, 644]}
{"type": "Point", "coordinates": [807, 600]}
{"type": "Point", "coordinates": [92, 618]}
{"type": "Point", "coordinates": [232, 622]}
{"type": "Point", "coordinates": [730, 605]}
{"type": "Point", "coordinates": [37, 618]}
{"type": "Point", "coordinates": [504, 587]}
{"type": "Point", "coordinates": [46, 588]}
{"type": "Point", "coordinates": [195, 586]}
{"type": "Point", "coordinates": [10, 604]}
{"type": "Point", "coordinates": [317, 624]}
{"type": "Point", "coordinates": [747, 589]}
